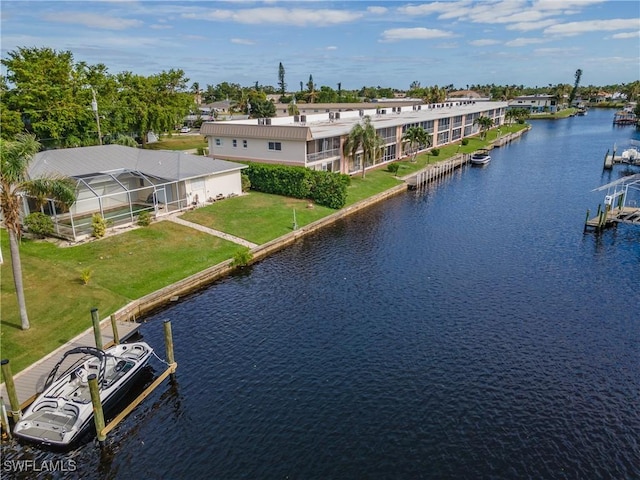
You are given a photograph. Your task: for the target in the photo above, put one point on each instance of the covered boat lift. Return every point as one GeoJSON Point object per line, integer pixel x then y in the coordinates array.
{"type": "Point", "coordinates": [621, 203]}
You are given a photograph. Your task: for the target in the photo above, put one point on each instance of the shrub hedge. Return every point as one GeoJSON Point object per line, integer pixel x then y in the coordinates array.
{"type": "Point", "coordinates": [324, 188]}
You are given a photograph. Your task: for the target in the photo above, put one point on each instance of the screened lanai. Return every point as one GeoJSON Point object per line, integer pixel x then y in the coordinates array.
{"type": "Point", "coordinates": [119, 182]}
{"type": "Point", "coordinates": [118, 196]}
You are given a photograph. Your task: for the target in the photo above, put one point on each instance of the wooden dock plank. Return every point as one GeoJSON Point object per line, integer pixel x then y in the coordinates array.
{"type": "Point", "coordinates": [30, 381]}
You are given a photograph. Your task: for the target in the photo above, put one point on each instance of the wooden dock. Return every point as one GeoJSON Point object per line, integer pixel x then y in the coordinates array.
{"type": "Point", "coordinates": [30, 382]}
{"type": "Point", "coordinates": [617, 215]}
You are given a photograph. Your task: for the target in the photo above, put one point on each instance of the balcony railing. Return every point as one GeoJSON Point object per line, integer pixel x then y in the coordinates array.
{"type": "Point", "coordinates": [314, 157]}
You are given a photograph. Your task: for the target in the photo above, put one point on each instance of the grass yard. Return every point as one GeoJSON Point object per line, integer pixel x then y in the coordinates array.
{"type": "Point", "coordinates": [124, 267]}
{"type": "Point", "coordinates": [179, 142]}
{"type": "Point", "coordinates": [257, 217]}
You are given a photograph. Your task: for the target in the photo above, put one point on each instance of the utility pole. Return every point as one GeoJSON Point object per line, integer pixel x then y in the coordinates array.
{"type": "Point", "coordinates": [94, 107]}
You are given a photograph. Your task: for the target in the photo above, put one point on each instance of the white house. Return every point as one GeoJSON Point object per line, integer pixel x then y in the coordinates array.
{"type": "Point", "coordinates": [316, 140]}
{"type": "Point", "coordinates": [535, 103]}
{"type": "Point", "coordinates": [119, 182]}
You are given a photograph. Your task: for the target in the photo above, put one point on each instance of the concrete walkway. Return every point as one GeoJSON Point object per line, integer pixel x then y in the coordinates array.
{"type": "Point", "coordinates": [211, 231]}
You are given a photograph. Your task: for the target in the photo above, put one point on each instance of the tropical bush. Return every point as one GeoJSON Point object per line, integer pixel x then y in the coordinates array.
{"type": "Point", "coordinates": [393, 168]}
{"type": "Point", "coordinates": [144, 219]}
{"type": "Point", "coordinates": [246, 182]}
{"type": "Point", "coordinates": [465, 141]}
{"type": "Point", "coordinates": [85, 275]}
{"type": "Point", "coordinates": [39, 224]}
{"type": "Point", "coordinates": [435, 152]}
{"type": "Point", "coordinates": [98, 225]}
{"type": "Point", "coordinates": [242, 258]}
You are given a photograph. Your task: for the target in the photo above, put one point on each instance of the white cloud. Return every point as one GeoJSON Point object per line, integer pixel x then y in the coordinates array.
{"type": "Point", "coordinates": [377, 10]}
{"type": "Point", "coordinates": [298, 17]}
{"type": "Point", "coordinates": [619, 36]}
{"type": "Point", "coordinates": [589, 26]}
{"type": "Point", "coordinates": [93, 20]}
{"type": "Point", "coordinates": [528, 26]}
{"type": "Point", "coordinates": [418, 33]}
{"type": "Point", "coordinates": [332, 47]}
{"type": "Point", "coordinates": [160, 27]}
{"type": "Point", "coordinates": [242, 41]}
{"type": "Point", "coordinates": [521, 42]}
{"type": "Point", "coordinates": [483, 42]}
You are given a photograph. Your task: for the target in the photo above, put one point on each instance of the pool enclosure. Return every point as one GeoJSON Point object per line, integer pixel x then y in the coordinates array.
{"type": "Point", "coordinates": [164, 182]}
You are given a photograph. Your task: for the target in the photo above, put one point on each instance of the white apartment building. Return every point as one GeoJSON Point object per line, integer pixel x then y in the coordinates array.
{"type": "Point", "coordinates": [316, 141]}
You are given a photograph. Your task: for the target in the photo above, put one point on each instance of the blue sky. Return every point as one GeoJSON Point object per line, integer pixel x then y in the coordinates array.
{"type": "Point", "coordinates": [356, 43]}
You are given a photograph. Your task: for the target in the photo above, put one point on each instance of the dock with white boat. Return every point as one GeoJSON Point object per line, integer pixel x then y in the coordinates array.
{"type": "Point", "coordinates": [629, 155]}
{"type": "Point", "coordinates": [30, 382]}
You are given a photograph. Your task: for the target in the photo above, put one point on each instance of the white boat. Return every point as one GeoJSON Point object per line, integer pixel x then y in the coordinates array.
{"type": "Point", "coordinates": [481, 157]}
{"type": "Point", "coordinates": [63, 412]}
{"type": "Point", "coordinates": [631, 155]}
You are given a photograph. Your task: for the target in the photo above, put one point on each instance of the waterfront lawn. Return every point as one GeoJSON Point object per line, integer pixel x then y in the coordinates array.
{"type": "Point", "coordinates": [124, 267]}
{"type": "Point", "coordinates": [179, 142]}
{"type": "Point", "coordinates": [257, 217]}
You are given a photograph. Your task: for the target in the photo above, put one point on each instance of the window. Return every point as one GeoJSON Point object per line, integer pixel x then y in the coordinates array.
{"type": "Point", "coordinates": [244, 144]}
{"type": "Point", "coordinates": [275, 146]}
{"type": "Point", "coordinates": [235, 143]}
{"type": "Point", "coordinates": [218, 142]}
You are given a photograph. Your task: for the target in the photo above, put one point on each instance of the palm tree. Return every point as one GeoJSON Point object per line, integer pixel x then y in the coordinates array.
{"type": "Point", "coordinates": [485, 124]}
{"type": "Point", "coordinates": [363, 137]}
{"type": "Point", "coordinates": [15, 157]}
{"type": "Point", "coordinates": [416, 137]}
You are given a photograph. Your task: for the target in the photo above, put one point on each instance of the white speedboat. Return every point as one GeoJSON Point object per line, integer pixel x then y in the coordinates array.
{"type": "Point", "coordinates": [63, 412]}
{"type": "Point", "coordinates": [481, 157]}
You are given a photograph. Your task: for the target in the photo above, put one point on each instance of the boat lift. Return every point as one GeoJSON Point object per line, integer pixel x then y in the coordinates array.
{"type": "Point", "coordinates": [621, 203]}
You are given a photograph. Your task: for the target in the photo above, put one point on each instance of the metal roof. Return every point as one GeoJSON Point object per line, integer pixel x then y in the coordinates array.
{"type": "Point", "coordinates": [89, 161]}
{"type": "Point", "coordinates": [314, 128]}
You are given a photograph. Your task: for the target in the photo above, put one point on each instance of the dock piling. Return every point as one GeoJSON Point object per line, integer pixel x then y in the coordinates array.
{"type": "Point", "coordinates": [4, 420]}
{"type": "Point", "coordinates": [16, 413]}
{"type": "Point", "coordinates": [168, 341]}
{"type": "Point", "coordinates": [114, 327]}
{"type": "Point", "coordinates": [96, 328]}
{"type": "Point", "coordinates": [98, 414]}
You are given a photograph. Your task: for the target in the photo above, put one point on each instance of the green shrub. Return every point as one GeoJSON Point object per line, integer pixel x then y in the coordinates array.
{"type": "Point", "coordinates": [39, 224]}
{"type": "Point", "coordinates": [98, 225]}
{"type": "Point", "coordinates": [246, 182]}
{"type": "Point", "coordinates": [144, 219]}
{"type": "Point", "coordinates": [465, 141]}
{"type": "Point", "coordinates": [435, 152]}
{"type": "Point", "coordinates": [393, 168]}
{"type": "Point", "coordinates": [242, 258]}
{"type": "Point", "coordinates": [85, 275]}
{"type": "Point", "coordinates": [325, 188]}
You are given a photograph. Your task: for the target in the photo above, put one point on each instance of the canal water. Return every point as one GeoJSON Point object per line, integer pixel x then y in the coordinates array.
{"type": "Point", "coordinates": [468, 331]}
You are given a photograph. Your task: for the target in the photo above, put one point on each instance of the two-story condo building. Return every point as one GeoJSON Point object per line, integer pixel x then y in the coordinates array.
{"type": "Point", "coordinates": [536, 103]}
{"type": "Point", "coordinates": [316, 141]}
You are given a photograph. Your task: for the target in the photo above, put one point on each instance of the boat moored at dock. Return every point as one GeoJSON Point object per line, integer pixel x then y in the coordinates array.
{"type": "Point", "coordinates": [64, 411]}
{"type": "Point", "coordinates": [481, 157]}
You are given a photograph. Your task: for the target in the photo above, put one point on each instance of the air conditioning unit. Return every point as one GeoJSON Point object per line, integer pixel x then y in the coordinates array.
{"type": "Point", "coordinates": [267, 121]}
{"type": "Point", "coordinates": [336, 115]}
{"type": "Point", "coordinates": [331, 115]}
{"type": "Point", "coordinates": [303, 118]}
{"type": "Point", "coordinates": [296, 118]}
{"type": "Point", "coordinates": [361, 113]}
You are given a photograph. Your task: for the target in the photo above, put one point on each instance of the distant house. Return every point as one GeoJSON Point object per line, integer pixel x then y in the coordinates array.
{"type": "Point", "coordinates": [535, 103]}
{"type": "Point", "coordinates": [119, 182]}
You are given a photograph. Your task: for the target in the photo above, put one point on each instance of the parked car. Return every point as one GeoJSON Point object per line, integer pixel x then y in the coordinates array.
{"type": "Point", "coordinates": [185, 130]}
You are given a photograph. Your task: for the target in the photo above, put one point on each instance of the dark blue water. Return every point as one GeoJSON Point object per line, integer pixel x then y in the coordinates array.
{"type": "Point", "coordinates": [470, 331]}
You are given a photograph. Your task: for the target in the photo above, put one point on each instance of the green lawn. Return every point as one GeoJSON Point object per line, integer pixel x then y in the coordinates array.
{"type": "Point", "coordinates": [124, 267]}
{"type": "Point", "coordinates": [132, 264]}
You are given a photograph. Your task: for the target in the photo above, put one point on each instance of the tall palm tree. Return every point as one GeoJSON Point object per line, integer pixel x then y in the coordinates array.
{"type": "Point", "coordinates": [416, 137]}
{"type": "Point", "coordinates": [363, 137]}
{"type": "Point", "coordinates": [15, 157]}
{"type": "Point", "coordinates": [485, 124]}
